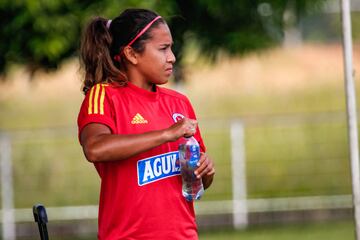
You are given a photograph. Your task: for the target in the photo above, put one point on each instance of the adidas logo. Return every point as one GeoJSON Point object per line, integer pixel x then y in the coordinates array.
{"type": "Point", "coordinates": [138, 119]}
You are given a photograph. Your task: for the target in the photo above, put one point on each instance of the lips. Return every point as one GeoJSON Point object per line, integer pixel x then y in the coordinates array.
{"type": "Point", "coordinates": [169, 70]}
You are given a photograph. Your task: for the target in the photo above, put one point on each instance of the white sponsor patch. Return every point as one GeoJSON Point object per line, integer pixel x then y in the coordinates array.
{"type": "Point", "coordinates": [158, 167]}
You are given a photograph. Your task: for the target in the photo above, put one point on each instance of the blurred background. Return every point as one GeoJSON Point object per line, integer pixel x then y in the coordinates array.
{"type": "Point", "coordinates": [265, 78]}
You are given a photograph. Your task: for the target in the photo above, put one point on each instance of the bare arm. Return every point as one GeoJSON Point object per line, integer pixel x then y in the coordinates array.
{"type": "Point", "coordinates": [100, 145]}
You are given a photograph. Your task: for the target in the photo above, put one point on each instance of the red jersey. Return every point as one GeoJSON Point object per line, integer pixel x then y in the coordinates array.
{"type": "Point", "coordinates": [141, 197]}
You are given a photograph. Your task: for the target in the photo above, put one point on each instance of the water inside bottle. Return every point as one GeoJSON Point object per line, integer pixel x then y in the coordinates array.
{"type": "Point", "coordinates": [189, 154]}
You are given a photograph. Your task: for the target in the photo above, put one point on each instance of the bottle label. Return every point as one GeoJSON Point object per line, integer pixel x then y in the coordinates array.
{"type": "Point", "coordinates": [194, 155]}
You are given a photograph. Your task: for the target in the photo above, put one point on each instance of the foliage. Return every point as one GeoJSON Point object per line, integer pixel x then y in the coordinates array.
{"type": "Point", "coordinates": [41, 34]}
{"type": "Point", "coordinates": [235, 27]}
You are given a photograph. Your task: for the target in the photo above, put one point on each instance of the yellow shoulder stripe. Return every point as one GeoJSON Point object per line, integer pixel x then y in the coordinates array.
{"type": "Point", "coordinates": [96, 99]}
{"type": "Point", "coordinates": [102, 97]}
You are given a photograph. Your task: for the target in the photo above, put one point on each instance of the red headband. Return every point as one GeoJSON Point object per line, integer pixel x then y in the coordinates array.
{"type": "Point", "coordinates": [144, 29]}
{"type": "Point", "coordinates": [117, 57]}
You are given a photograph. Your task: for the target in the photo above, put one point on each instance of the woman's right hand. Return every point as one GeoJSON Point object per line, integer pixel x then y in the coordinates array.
{"type": "Point", "coordinates": [185, 127]}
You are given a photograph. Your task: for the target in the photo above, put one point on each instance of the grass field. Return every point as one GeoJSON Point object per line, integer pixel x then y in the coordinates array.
{"type": "Point", "coordinates": [315, 231]}
{"type": "Point", "coordinates": [284, 158]}
{"type": "Point", "coordinates": [301, 81]}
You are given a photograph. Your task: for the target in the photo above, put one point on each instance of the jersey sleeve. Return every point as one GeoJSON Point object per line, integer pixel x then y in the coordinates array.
{"type": "Point", "coordinates": [97, 107]}
{"type": "Point", "coordinates": [197, 135]}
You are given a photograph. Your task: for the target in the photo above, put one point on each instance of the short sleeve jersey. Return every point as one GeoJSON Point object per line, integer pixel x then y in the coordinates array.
{"type": "Point", "coordinates": [141, 197]}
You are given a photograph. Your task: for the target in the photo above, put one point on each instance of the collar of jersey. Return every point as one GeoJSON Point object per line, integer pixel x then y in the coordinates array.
{"type": "Point", "coordinates": [144, 93]}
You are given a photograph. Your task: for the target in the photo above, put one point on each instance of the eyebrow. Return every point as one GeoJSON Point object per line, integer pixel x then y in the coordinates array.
{"type": "Point", "coordinates": [167, 44]}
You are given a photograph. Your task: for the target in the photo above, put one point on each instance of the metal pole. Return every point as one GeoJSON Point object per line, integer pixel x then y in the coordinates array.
{"type": "Point", "coordinates": [240, 212]}
{"type": "Point", "coordinates": [351, 111]}
{"type": "Point", "coordinates": [41, 218]}
{"type": "Point", "coordinates": [8, 219]}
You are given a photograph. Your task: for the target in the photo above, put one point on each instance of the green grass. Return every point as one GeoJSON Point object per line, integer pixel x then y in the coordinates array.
{"type": "Point", "coordinates": [53, 170]}
{"type": "Point", "coordinates": [303, 158]}
{"type": "Point", "coordinates": [284, 157]}
{"type": "Point", "coordinates": [323, 98]}
{"type": "Point", "coordinates": [310, 231]}
{"type": "Point", "coordinates": [293, 156]}
{"type": "Point", "coordinates": [313, 231]}
{"type": "Point", "coordinates": [288, 152]}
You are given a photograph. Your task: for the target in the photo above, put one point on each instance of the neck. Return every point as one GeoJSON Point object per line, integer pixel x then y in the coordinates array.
{"type": "Point", "coordinates": [138, 80]}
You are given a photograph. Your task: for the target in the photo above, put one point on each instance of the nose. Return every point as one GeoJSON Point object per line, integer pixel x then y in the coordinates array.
{"type": "Point", "coordinates": [171, 57]}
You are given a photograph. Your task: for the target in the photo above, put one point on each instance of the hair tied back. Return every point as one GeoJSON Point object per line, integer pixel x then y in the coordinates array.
{"type": "Point", "coordinates": [117, 58]}
{"type": "Point", "coordinates": [108, 23]}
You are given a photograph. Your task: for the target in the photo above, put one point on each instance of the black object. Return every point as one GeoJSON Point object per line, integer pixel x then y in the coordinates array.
{"type": "Point", "coordinates": [40, 217]}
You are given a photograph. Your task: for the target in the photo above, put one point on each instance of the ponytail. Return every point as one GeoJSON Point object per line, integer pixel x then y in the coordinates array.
{"type": "Point", "coordinates": [101, 50]}
{"type": "Point", "coordinates": [95, 57]}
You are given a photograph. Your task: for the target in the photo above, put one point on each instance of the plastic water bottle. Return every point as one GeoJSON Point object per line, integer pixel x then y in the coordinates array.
{"type": "Point", "coordinates": [189, 154]}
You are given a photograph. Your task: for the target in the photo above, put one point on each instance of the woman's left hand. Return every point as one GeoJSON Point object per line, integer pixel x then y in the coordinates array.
{"type": "Point", "coordinates": [206, 169]}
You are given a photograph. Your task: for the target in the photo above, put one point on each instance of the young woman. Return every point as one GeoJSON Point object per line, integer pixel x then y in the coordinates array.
{"type": "Point", "coordinates": [130, 128]}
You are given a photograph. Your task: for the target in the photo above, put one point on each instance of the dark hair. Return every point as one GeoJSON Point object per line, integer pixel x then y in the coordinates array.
{"type": "Point", "coordinates": [101, 44]}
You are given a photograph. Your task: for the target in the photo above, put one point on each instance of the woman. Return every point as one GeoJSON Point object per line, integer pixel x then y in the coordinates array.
{"type": "Point", "coordinates": [130, 128]}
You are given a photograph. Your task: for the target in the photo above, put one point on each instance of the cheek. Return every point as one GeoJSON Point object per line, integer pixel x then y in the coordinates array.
{"type": "Point", "coordinates": [159, 56]}
{"type": "Point", "coordinates": [154, 58]}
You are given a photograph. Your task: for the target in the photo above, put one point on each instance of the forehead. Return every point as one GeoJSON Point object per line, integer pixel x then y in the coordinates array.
{"type": "Point", "coordinates": [161, 34]}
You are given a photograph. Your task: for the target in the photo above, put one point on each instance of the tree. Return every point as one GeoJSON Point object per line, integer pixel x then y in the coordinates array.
{"type": "Point", "coordinates": [235, 26]}
{"type": "Point", "coordinates": [38, 34]}
{"type": "Point", "coordinates": [43, 33]}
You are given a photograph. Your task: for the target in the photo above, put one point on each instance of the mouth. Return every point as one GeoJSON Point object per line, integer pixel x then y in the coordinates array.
{"type": "Point", "coordinates": [169, 70]}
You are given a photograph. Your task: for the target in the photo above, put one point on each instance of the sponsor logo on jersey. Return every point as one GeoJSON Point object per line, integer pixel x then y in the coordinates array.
{"type": "Point", "coordinates": [158, 167]}
{"type": "Point", "coordinates": [96, 99]}
{"type": "Point", "coordinates": [138, 119]}
{"type": "Point", "coordinates": [177, 117]}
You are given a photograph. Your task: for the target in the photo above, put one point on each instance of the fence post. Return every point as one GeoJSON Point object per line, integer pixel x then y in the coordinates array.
{"type": "Point", "coordinates": [352, 122]}
{"type": "Point", "coordinates": [240, 212]}
{"type": "Point", "coordinates": [8, 218]}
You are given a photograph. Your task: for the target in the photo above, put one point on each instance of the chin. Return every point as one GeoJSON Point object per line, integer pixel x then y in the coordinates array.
{"type": "Point", "coordinates": [162, 82]}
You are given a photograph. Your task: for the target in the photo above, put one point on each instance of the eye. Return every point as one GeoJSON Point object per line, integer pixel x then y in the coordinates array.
{"type": "Point", "coordinates": [165, 47]}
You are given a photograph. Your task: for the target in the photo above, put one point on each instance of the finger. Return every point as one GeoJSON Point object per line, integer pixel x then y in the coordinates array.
{"type": "Point", "coordinates": [192, 129]}
{"type": "Point", "coordinates": [203, 157]}
{"type": "Point", "coordinates": [189, 130]}
{"type": "Point", "coordinates": [199, 171]}
{"type": "Point", "coordinates": [191, 123]}
{"type": "Point", "coordinates": [207, 169]}
{"type": "Point", "coordinates": [208, 166]}
{"type": "Point", "coordinates": [204, 166]}
{"type": "Point", "coordinates": [195, 124]}
{"type": "Point", "coordinates": [212, 172]}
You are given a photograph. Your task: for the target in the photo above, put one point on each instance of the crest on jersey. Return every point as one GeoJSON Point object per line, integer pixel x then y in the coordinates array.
{"type": "Point", "coordinates": [177, 117]}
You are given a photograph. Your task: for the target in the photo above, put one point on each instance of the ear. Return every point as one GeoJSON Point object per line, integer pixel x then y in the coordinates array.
{"type": "Point", "coordinates": [130, 55]}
